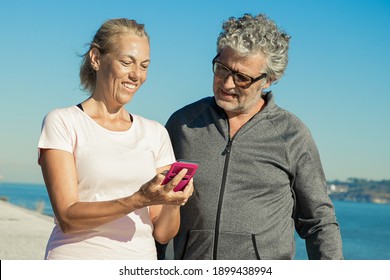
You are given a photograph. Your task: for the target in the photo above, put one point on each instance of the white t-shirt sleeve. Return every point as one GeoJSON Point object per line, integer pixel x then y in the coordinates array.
{"type": "Point", "coordinates": [55, 133]}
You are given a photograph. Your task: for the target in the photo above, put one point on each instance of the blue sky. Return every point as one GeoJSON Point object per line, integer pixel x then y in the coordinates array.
{"type": "Point", "coordinates": [337, 80]}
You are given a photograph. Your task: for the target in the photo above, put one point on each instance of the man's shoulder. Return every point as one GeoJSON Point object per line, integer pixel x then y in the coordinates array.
{"type": "Point", "coordinates": [201, 104]}
{"type": "Point", "coordinates": [192, 110]}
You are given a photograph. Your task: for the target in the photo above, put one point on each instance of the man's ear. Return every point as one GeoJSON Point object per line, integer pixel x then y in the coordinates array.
{"type": "Point", "coordinates": [267, 84]}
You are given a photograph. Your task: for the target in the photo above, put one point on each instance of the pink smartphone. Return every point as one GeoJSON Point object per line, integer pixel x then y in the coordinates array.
{"type": "Point", "coordinates": [175, 168]}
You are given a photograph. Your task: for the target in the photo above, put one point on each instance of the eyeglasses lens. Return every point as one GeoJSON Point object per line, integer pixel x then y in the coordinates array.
{"type": "Point", "coordinates": [223, 72]}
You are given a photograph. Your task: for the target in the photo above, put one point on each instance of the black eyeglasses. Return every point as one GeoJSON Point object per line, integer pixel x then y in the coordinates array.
{"type": "Point", "coordinates": [240, 80]}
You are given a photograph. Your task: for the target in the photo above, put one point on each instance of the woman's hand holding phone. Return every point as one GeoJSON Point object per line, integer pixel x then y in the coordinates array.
{"type": "Point", "coordinates": [176, 167]}
{"type": "Point", "coordinates": [173, 189]}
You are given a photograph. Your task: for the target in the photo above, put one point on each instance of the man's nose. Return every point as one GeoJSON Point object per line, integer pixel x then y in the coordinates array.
{"type": "Point", "coordinates": [229, 81]}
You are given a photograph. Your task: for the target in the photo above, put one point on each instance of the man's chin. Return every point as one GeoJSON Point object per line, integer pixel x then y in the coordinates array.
{"type": "Point", "coordinates": [228, 106]}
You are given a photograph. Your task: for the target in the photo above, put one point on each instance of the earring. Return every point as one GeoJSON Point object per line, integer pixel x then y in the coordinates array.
{"type": "Point", "coordinates": [95, 67]}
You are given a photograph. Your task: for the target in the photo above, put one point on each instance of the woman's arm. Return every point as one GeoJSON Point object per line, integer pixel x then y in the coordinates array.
{"type": "Point", "coordinates": [59, 172]}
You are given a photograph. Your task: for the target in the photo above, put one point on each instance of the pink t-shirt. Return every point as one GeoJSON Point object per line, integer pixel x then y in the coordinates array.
{"type": "Point", "coordinates": [110, 164]}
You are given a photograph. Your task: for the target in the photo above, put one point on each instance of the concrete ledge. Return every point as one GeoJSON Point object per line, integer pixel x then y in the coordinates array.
{"type": "Point", "coordinates": [23, 233]}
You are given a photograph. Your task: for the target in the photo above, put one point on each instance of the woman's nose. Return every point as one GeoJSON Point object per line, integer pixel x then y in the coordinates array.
{"type": "Point", "coordinates": [135, 72]}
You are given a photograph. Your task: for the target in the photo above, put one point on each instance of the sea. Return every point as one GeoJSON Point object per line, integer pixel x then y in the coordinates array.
{"type": "Point", "coordinates": [365, 227]}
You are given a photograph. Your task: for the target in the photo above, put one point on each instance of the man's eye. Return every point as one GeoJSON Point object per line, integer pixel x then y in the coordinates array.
{"type": "Point", "coordinates": [242, 78]}
{"type": "Point", "coordinates": [222, 69]}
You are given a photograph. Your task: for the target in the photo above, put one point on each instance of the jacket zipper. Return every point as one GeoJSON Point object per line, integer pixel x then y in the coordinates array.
{"type": "Point", "coordinates": [226, 153]}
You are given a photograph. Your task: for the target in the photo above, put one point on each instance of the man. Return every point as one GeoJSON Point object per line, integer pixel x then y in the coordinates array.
{"type": "Point", "coordinates": [259, 169]}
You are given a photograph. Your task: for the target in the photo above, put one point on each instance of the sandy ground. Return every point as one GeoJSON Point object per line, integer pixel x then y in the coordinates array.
{"type": "Point", "coordinates": [23, 233]}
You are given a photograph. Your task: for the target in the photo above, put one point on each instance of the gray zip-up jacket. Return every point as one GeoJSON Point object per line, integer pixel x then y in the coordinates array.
{"type": "Point", "coordinates": [252, 189]}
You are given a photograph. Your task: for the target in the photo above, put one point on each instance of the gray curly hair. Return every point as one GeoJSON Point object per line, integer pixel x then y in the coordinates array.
{"type": "Point", "coordinates": [103, 40]}
{"type": "Point", "coordinates": [250, 35]}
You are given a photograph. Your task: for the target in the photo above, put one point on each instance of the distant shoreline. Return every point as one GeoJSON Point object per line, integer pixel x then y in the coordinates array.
{"type": "Point", "coordinates": [360, 190]}
{"type": "Point", "coordinates": [351, 190]}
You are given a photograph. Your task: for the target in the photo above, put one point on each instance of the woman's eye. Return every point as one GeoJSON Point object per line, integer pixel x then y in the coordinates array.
{"type": "Point", "coordinates": [126, 63]}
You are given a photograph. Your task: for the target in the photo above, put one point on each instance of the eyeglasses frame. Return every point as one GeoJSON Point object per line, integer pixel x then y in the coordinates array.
{"type": "Point", "coordinates": [232, 73]}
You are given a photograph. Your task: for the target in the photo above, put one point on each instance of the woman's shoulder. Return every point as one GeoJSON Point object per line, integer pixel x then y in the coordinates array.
{"type": "Point", "coordinates": [71, 110]}
{"type": "Point", "coordinates": [148, 128]}
{"type": "Point", "coordinates": [64, 114]}
{"type": "Point", "coordinates": [147, 123]}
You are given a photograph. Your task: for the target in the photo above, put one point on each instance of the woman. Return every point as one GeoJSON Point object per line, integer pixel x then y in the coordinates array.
{"type": "Point", "coordinates": [102, 165]}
